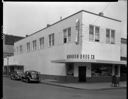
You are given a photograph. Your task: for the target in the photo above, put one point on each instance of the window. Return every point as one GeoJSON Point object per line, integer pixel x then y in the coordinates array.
{"type": "Point", "coordinates": [51, 39]}
{"type": "Point", "coordinates": [94, 33]}
{"type": "Point", "coordinates": [67, 35]}
{"type": "Point", "coordinates": [17, 49]}
{"type": "Point", "coordinates": [101, 70]}
{"type": "Point", "coordinates": [91, 32]}
{"type": "Point", "coordinates": [41, 42]}
{"type": "Point", "coordinates": [34, 45]}
{"type": "Point", "coordinates": [70, 69]}
{"type": "Point", "coordinates": [112, 36]}
{"type": "Point", "coordinates": [107, 35]}
{"type": "Point", "coordinates": [28, 46]}
{"type": "Point", "coordinates": [21, 49]}
{"type": "Point", "coordinates": [97, 30]}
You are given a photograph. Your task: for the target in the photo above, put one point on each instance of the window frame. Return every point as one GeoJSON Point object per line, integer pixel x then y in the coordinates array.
{"type": "Point", "coordinates": [41, 41]}
{"type": "Point", "coordinates": [28, 46]}
{"type": "Point", "coordinates": [34, 43]}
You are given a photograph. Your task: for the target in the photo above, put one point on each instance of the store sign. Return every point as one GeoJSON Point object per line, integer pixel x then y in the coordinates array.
{"type": "Point", "coordinates": [81, 56]}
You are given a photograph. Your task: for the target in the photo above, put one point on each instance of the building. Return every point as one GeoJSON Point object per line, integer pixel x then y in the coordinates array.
{"type": "Point", "coordinates": [8, 44]}
{"type": "Point", "coordinates": [83, 47]}
{"type": "Point", "coordinates": [8, 52]}
{"type": "Point", "coordinates": [123, 58]}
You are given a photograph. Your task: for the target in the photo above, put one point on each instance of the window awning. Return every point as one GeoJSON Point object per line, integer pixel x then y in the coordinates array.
{"type": "Point", "coordinates": [90, 61]}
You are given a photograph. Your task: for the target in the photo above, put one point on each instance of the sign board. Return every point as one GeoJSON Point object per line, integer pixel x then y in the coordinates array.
{"type": "Point", "coordinates": [81, 56]}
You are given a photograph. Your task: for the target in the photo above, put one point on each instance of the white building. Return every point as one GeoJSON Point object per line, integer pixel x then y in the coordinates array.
{"type": "Point", "coordinates": [82, 47]}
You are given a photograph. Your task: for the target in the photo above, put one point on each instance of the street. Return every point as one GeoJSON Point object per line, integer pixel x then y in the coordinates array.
{"type": "Point", "coordinates": [20, 90]}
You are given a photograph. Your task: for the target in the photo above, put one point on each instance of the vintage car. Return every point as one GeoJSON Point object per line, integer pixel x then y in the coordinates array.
{"type": "Point", "coordinates": [16, 75]}
{"type": "Point", "coordinates": [31, 76]}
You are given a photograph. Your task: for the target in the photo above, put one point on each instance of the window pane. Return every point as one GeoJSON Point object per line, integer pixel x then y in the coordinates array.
{"type": "Point", "coordinates": [52, 39]}
{"type": "Point", "coordinates": [34, 45]}
{"type": "Point", "coordinates": [21, 49]}
{"type": "Point", "coordinates": [65, 36]}
{"type": "Point", "coordinates": [91, 33]}
{"type": "Point", "coordinates": [69, 34]}
{"type": "Point", "coordinates": [42, 42]}
{"type": "Point", "coordinates": [107, 35]}
{"type": "Point", "coordinates": [28, 46]}
{"type": "Point", "coordinates": [49, 40]}
{"type": "Point", "coordinates": [112, 36]}
{"type": "Point", "coordinates": [97, 30]}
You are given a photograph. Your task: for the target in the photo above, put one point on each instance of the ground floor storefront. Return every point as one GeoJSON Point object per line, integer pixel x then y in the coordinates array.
{"type": "Point", "coordinates": [90, 72]}
{"type": "Point", "coordinates": [11, 68]}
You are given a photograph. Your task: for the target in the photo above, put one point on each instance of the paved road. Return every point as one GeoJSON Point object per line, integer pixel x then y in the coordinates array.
{"type": "Point", "coordinates": [20, 90]}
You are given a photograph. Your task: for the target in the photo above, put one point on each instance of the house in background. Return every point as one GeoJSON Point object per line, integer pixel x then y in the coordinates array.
{"type": "Point", "coordinates": [123, 58]}
{"type": "Point", "coordinates": [8, 44]}
{"type": "Point", "coordinates": [8, 52]}
{"type": "Point", "coordinates": [83, 47]}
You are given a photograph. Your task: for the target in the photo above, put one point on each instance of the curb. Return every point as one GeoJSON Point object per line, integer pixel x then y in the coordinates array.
{"type": "Point", "coordinates": [55, 84]}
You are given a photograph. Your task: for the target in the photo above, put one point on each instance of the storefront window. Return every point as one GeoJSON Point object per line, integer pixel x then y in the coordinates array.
{"type": "Point", "coordinates": [98, 70]}
{"type": "Point", "coordinates": [70, 69]}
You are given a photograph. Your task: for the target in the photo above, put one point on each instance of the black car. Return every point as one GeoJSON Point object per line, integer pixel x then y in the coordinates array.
{"type": "Point", "coordinates": [16, 75]}
{"type": "Point", "coordinates": [31, 76]}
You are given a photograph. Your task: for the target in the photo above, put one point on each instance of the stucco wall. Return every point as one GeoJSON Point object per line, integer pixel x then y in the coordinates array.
{"type": "Point", "coordinates": [101, 50]}
{"type": "Point", "coordinates": [40, 59]}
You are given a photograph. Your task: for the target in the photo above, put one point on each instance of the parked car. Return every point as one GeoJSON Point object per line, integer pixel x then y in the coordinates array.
{"type": "Point", "coordinates": [31, 76]}
{"type": "Point", "coordinates": [16, 75]}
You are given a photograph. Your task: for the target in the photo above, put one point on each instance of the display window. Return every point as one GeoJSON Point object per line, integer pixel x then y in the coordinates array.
{"type": "Point", "coordinates": [98, 70]}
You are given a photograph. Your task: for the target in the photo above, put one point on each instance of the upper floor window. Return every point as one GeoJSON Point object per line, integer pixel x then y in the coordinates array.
{"type": "Point", "coordinates": [34, 44]}
{"type": "Point", "coordinates": [107, 35]}
{"type": "Point", "coordinates": [41, 42]}
{"type": "Point", "coordinates": [94, 33]}
{"type": "Point", "coordinates": [17, 48]}
{"type": "Point", "coordinates": [91, 32]}
{"type": "Point", "coordinates": [67, 35]}
{"type": "Point", "coordinates": [28, 46]}
{"type": "Point", "coordinates": [21, 49]}
{"type": "Point", "coordinates": [110, 36]}
{"type": "Point", "coordinates": [97, 35]}
{"type": "Point", "coordinates": [51, 39]}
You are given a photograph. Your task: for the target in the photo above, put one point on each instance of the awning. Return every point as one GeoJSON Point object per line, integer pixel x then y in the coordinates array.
{"type": "Point", "coordinates": [90, 61]}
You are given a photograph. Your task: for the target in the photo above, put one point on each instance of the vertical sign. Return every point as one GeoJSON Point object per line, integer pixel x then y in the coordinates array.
{"type": "Point", "coordinates": [77, 28]}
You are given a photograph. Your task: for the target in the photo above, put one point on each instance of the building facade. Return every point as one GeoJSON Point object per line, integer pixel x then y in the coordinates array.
{"type": "Point", "coordinates": [8, 44]}
{"type": "Point", "coordinates": [83, 47]}
{"type": "Point", "coordinates": [123, 57]}
{"type": "Point", "coordinates": [8, 51]}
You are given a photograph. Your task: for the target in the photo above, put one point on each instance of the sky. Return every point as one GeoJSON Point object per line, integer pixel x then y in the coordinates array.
{"type": "Point", "coordinates": [24, 18]}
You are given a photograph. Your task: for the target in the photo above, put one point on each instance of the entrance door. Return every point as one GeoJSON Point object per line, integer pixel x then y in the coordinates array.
{"type": "Point", "coordinates": [82, 74]}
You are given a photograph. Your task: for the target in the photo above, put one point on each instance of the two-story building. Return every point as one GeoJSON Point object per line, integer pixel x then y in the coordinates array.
{"type": "Point", "coordinates": [83, 47]}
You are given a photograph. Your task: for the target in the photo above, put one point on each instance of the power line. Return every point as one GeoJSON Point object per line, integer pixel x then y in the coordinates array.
{"type": "Point", "coordinates": [102, 11]}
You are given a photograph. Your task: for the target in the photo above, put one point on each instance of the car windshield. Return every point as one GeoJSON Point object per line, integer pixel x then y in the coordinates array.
{"type": "Point", "coordinates": [33, 73]}
{"type": "Point", "coordinates": [19, 72]}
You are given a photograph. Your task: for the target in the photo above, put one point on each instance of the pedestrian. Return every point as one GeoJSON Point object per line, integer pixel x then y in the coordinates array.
{"type": "Point", "coordinates": [114, 80]}
{"type": "Point", "coordinates": [117, 81]}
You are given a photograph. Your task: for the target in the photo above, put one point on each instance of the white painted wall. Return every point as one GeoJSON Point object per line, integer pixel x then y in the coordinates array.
{"type": "Point", "coordinates": [40, 59]}
{"type": "Point", "coordinates": [101, 50]}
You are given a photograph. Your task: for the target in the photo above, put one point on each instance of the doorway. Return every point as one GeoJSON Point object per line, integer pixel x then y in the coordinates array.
{"type": "Point", "coordinates": [82, 74]}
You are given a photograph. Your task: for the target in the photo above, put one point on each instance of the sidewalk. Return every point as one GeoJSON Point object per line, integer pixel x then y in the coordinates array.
{"type": "Point", "coordinates": [86, 86]}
